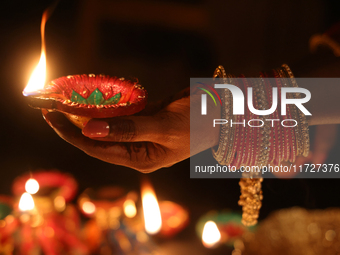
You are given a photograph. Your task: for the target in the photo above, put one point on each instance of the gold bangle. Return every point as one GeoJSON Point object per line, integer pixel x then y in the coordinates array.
{"type": "Point", "coordinates": [265, 130]}
{"type": "Point", "coordinates": [303, 120]}
{"type": "Point", "coordinates": [224, 133]}
{"type": "Point", "coordinates": [286, 83]}
{"type": "Point", "coordinates": [230, 139]}
{"type": "Point", "coordinates": [295, 113]}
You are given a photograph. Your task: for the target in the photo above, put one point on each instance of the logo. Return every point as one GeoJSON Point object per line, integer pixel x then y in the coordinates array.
{"type": "Point", "coordinates": [204, 97]}
{"type": "Point", "coordinates": [239, 104]}
{"type": "Point", "coordinates": [238, 99]}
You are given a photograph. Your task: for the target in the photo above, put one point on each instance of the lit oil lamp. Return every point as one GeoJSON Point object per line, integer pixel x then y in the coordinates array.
{"type": "Point", "coordinates": [65, 185]}
{"type": "Point", "coordinates": [82, 97]}
{"type": "Point", "coordinates": [8, 225]}
{"type": "Point", "coordinates": [114, 227]}
{"type": "Point", "coordinates": [164, 218]}
{"type": "Point", "coordinates": [46, 222]}
{"type": "Point", "coordinates": [224, 227]}
{"type": "Point", "coordinates": [210, 235]}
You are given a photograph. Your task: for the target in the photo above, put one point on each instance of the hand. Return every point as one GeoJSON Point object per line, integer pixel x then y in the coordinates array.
{"type": "Point", "coordinates": [157, 137]}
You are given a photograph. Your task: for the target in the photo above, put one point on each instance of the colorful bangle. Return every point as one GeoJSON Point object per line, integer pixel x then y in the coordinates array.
{"type": "Point", "coordinates": [259, 145]}
{"type": "Point", "coordinates": [303, 121]}
{"type": "Point", "coordinates": [291, 136]}
{"type": "Point", "coordinates": [218, 155]}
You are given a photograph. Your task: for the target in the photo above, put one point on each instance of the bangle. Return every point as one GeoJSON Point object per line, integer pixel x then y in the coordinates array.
{"type": "Point", "coordinates": [259, 145]}
{"type": "Point", "coordinates": [297, 129]}
{"type": "Point", "coordinates": [249, 131]}
{"type": "Point", "coordinates": [291, 131]}
{"type": "Point", "coordinates": [272, 137]}
{"type": "Point", "coordinates": [241, 132]}
{"type": "Point", "coordinates": [303, 121]}
{"type": "Point", "coordinates": [284, 134]}
{"type": "Point", "coordinates": [231, 133]}
{"type": "Point", "coordinates": [218, 155]}
{"type": "Point", "coordinates": [265, 144]}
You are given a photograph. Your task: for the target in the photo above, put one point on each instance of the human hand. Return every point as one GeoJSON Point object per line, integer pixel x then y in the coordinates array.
{"type": "Point", "coordinates": [157, 137]}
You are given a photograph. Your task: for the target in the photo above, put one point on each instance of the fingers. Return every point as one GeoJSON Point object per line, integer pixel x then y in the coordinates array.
{"type": "Point", "coordinates": [67, 130]}
{"type": "Point", "coordinates": [125, 129]}
{"type": "Point", "coordinates": [109, 152]}
{"type": "Point", "coordinates": [142, 156]}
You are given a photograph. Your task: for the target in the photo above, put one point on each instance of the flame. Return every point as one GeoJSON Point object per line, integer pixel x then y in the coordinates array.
{"type": "Point", "coordinates": [32, 186]}
{"type": "Point", "coordinates": [26, 202]}
{"type": "Point", "coordinates": [38, 77]}
{"type": "Point", "coordinates": [89, 207]}
{"type": "Point", "coordinates": [152, 213]}
{"type": "Point", "coordinates": [130, 209]}
{"type": "Point", "coordinates": [211, 235]}
{"type": "Point", "coordinates": [59, 203]}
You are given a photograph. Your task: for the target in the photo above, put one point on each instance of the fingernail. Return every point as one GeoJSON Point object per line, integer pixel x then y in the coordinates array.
{"type": "Point", "coordinates": [96, 128]}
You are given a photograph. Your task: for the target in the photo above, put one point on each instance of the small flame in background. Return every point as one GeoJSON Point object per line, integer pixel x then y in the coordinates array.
{"type": "Point", "coordinates": [26, 202]}
{"type": "Point", "coordinates": [211, 235]}
{"type": "Point", "coordinates": [89, 207]}
{"type": "Point", "coordinates": [32, 186]}
{"type": "Point", "coordinates": [130, 209]}
{"type": "Point", "coordinates": [38, 77]}
{"type": "Point", "coordinates": [152, 213]}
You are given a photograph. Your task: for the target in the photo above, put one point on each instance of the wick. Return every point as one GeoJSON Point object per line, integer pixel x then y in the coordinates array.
{"type": "Point", "coordinates": [34, 93]}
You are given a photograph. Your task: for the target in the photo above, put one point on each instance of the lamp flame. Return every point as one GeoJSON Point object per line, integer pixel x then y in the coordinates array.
{"type": "Point", "coordinates": [89, 207]}
{"type": "Point", "coordinates": [38, 77]}
{"type": "Point", "coordinates": [32, 186]}
{"type": "Point", "coordinates": [26, 202]}
{"type": "Point", "coordinates": [152, 213]}
{"type": "Point", "coordinates": [130, 209]}
{"type": "Point", "coordinates": [211, 235]}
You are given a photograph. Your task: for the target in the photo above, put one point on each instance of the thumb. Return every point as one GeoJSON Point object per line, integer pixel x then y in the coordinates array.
{"type": "Point", "coordinates": [124, 129]}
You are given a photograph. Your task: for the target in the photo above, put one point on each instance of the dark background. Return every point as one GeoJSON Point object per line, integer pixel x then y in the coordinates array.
{"type": "Point", "coordinates": [163, 43]}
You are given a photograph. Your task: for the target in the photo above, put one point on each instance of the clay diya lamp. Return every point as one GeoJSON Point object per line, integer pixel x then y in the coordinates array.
{"type": "Point", "coordinates": [82, 97]}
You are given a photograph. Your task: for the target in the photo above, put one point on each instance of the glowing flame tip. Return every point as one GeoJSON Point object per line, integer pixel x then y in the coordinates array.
{"type": "Point", "coordinates": [26, 202]}
{"type": "Point", "coordinates": [152, 213]}
{"type": "Point", "coordinates": [211, 235]}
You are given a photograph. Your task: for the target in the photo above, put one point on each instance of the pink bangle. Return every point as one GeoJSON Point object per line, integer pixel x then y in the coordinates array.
{"type": "Point", "coordinates": [278, 131]}
{"type": "Point", "coordinates": [249, 150]}
{"type": "Point", "coordinates": [268, 89]}
{"type": "Point", "coordinates": [238, 146]}
{"type": "Point", "coordinates": [257, 133]}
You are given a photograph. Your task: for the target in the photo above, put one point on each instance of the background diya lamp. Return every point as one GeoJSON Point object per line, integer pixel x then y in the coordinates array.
{"type": "Point", "coordinates": [47, 223]}
{"type": "Point", "coordinates": [115, 227]}
{"type": "Point", "coordinates": [165, 218]}
{"type": "Point", "coordinates": [8, 225]}
{"type": "Point", "coordinates": [225, 227]}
